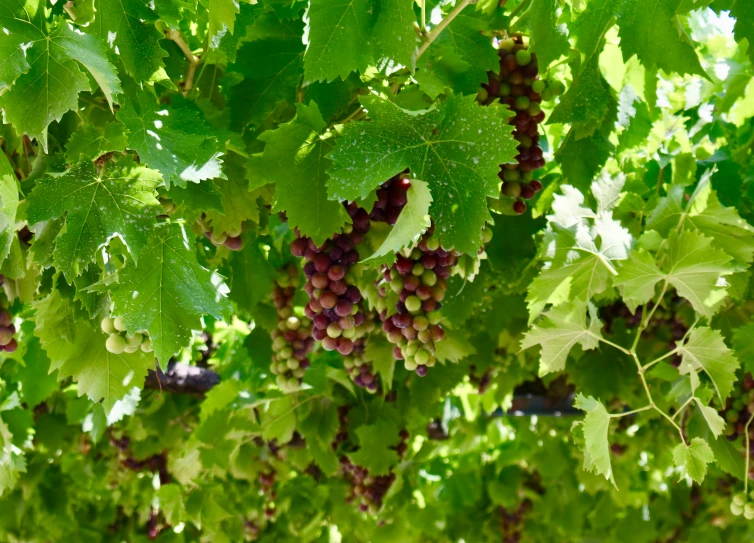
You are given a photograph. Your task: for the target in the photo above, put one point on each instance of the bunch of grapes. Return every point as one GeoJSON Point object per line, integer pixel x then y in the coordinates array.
{"type": "Point", "coordinates": [366, 490]}
{"type": "Point", "coordinates": [168, 206]}
{"type": "Point", "coordinates": [512, 521]}
{"type": "Point", "coordinates": [292, 341]}
{"type": "Point", "coordinates": [267, 482]}
{"type": "Point", "coordinates": [119, 341]}
{"type": "Point", "coordinates": [361, 371]}
{"type": "Point", "coordinates": [518, 85]}
{"type": "Point", "coordinates": [333, 296]}
{"type": "Point", "coordinates": [231, 240]}
{"type": "Point", "coordinates": [7, 329]}
{"type": "Point", "coordinates": [420, 280]}
{"type": "Point", "coordinates": [391, 199]}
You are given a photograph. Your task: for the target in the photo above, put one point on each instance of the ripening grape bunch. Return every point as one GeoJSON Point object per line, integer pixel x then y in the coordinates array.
{"type": "Point", "coordinates": [739, 408]}
{"type": "Point", "coordinates": [360, 370]}
{"type": "Point", "coordinates": [119, 341]}
{"type": "Point", "coordinates": [368, 491]}
{"type": "Point", "coordinates": [518, 85]}
{"type": "Point", "coordinates": [419, 278]}
{"type": "Point", "coordinates": [232, 239]}
{"type": "Point", "coordinates": [391, 199]}
{"type": "Point", "coordinates": [333, 295]}
{"type": "Point", "coordinates": [267, 480]}
{"type": "Point", "coordinates": [512, 521]}
{"type": "Point", "coordinates": [292, 340]}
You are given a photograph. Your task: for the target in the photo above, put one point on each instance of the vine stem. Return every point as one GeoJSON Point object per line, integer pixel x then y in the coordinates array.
{"type": "Point", "coordinates": [746, 473]}
{"type": "Point", "coordinates": [633, 412]}
{"type": "Point", "coordinates": [193, 60]}
{"type": "Point", "coordinates": [656, 360]}
{"type": "Point", "coordinates": [680, 409]}
{"type": "Point", "coordinates": [436, 31]}
{"type": "Point", "coordinates": [519, 8]}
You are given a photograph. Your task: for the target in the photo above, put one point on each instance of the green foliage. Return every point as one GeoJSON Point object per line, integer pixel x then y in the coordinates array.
{"type": "Point", "coordinates": [159, 379]}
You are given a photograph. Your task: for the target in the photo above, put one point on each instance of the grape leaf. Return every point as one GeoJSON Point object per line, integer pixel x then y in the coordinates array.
{"type": "Point", "coordinates": [637, 278]}
{"type": "Point", "coordinates": [49, 80]}
{"type": "Point", "coordinates": [8, 206]}
{"type": "Point", "coordinates": [375, 452]}
{"type": "Point", "coordinates": [586, 102]}
{"type": "Point", "coordinates": [442, 67]}
{"type": "Point", "coordinates": [454, 347]}
{"type": "Point", "coordinates": [171, 503]}
{"type": "Point", "coordinates": [412, 223]}
{"type": "Point", "coordinates": [294, 158]}
{"type": "Point", "coordinates": [650, 30]}
{"type": "Point", "coordinates": [705, 214]}
{"type": "Point", "coordinates": [559, 331]}
{"type": "Point", "coordinates": [715, 422]}
{"type": "Point", "coordinates": [37, 381]}
{"type": "Point", "coordinates": [222, 18]}
{"type": "Point", "coordinates": [77, 350]}
{"type": "Point", "coordinates": [394, 31]}
{"type": "Point", "coordinates": [252, 276]}
{"type": "Point", "coordinates": [464, 40]}
{"type": "Point", "coordinates": [744, 346]}
{"type": "Point", "coordinates": [706, 351]}
{"type": "Point", "coordinates": [633, 116]}
{"type": "Point", "coordinates": [455, 147]}
{"type": "Point", "coordinates": [272, 69]}
{"type": "Point", "coordinates": [380, 353]}
{"type": "Point", "coordinates": [549, 39]}
{"type": "Point", "coordinates": [589, 26]}
{"type": "Point", "coordinates": [744, 15]}
{"type": "Point", "coordinates": [339, 39]}
{"type": "Point", "coordinates": [176, 141]}
{"type": "Point", "coordinates": [596, 426]}
{"type": "Point", "coordinates": [239, 204]}
{"type": "Point", "coordinates": [694, 268]}
{"type": "Point", "coordinates": [582, 158]}
{"type": "Point", "coordinates": [89, 143]}
{"type": "Point", "coordinates": [120, 200]}
{"type": "Point", "coordinates": [11, 462]}
{"type": "Point", "coordinates": [692, 459]}
{"type": "Point", "coordinates": [168, 292]}
{"type": "Point", "coordinates": [129, 26]}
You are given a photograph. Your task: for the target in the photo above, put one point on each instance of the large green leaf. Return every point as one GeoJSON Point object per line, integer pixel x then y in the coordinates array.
{"type": "Point", "coordinates": [455, 146]}
{"type": "Point", "coordinates": [118, 200]}
{"type": "Point", "coordinates": [168, 292]}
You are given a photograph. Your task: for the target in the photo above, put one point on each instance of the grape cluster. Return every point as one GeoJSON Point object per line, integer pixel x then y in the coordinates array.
{"type": "Point", "coordinates": [232, 239]}
{"type": "Point", "coordinates": [391, 199]}
{"type": "Point", "coordinates": [359, 369]}
{"type": "Point", "coordinates": [333, 296]}
{"type": "Point", "coordinates": [420, 280]}
{"type": "Point", "coordinates": [518, 85]}
{"type": "Point", "coordinates": [738, 409]}
{"type": "Point", "coordinates": [119, 341]}
{"type": "Point", "coordinates": [292, 340]}
{"type": "Point", "coordinates": [267, 482]}
{"type": "Point", "coordinates": [7, 330]}
{"type": "Point", "coordinates": [366, 490]}
{"type": "Point", "coordinates": [512, 521]}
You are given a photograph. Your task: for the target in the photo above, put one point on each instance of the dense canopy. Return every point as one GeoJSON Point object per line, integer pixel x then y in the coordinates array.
{"type": "Point", "coordinates": [403, 271]}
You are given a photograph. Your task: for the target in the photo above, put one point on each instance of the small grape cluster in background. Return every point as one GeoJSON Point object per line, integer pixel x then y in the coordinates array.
{"type": "Point", "coordinates": [368, 491]}
{"type": "Point", "coordinates": [360, 370]}
{"type": "Point", "coordinates": [519, 87]}
{"type": "Point", "coordinates": [119, 341]}
{"type": "Point", "coordinates": [231, 240]}
{"type": "Point", "coordinates": [292, 340]}
{"type": "Point", "coordinates": [7, 329]}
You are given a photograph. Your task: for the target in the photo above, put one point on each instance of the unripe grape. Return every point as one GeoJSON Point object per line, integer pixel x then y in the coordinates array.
{"type": "Point", "coordinates": [146, 345]}
{"type": "Point", "coordinates": [523, 57]}
{"type": "Point", "coordinates": [413, 304]}
{"type": "Point", "coordinates": [538, 86]}
{"type": "Point", "coordinates": [334, 330]}
{"type": "Point", "coordinates": [105, 324]}
{"type": "Point", "coordinates": [410, 364]}
{"type": "Point", "coordinates": [737, 510]}
{"type": "Point", "coordinates": [115, 344]}
{"type": "Point", "coordinates": [512, 190]}
{"type": "Point", "coordinates": [6, 335]}
{"type": "Point", "coordinates": [749, 511]}
{"type": "Point", "coordinates": [522, 102]}
{"type": "Point", "coordinates": [119, 325]}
